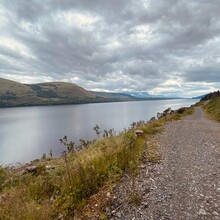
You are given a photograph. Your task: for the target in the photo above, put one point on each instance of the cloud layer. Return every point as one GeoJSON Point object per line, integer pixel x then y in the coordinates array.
{"type": "Point", "coordinates": [163, 47]}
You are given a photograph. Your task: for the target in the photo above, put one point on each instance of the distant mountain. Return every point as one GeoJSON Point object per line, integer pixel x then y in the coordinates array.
{"type": "Point", "coordinates": [114, 96]}
{"type": "Point", "coordinates": [131, 96]}
{"type": "Point", "coordinates": [144, 95]}
{"type": "Point", "coordinates": [198, 97]}
{"type": "Point", "coordinates": [138, 95]}
{"type": "Point", "coordinates": [57, 93]}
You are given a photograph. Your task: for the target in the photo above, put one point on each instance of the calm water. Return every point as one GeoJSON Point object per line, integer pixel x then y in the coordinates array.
{"type": "Point", "coordinates": [26, 133]}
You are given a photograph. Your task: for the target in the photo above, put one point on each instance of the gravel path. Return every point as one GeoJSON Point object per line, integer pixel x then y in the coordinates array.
{"type": "Point", "coordinates": [186, 185]}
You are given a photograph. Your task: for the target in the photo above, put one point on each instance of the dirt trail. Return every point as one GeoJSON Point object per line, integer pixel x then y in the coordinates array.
{"type": "Point", "coordinates": [186, 185]}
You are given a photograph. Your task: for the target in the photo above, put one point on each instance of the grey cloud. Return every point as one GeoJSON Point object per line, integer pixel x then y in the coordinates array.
{"type": "Point", "coordinates": [28, 10]}
{"type": "Point", "coordinates": [209, 72]}
{"type": "Point", "coordinates": [130, 45]}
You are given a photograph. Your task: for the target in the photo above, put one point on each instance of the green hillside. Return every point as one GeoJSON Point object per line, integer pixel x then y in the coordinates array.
{"type": "Point", "coordinates": [18, 94]}
{"type": "Point", "coordinates": [12, 90]}
{"type": "Point", "coordinates": [60, 90]}
{"type": "Point", "coordinates": [14, 94]}
{"type": "Point", "coordinates": [52, 93]}
{"type": "Point", "coordinates": [213, 108]}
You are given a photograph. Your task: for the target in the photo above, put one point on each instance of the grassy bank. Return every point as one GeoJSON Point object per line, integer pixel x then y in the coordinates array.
{"type": "Point", "coordinates": [61, 192]}
{"type": "Point", "coordinates": [213, 108]}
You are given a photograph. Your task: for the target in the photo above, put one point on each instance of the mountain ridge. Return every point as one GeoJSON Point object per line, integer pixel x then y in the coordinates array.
{"type": "Point", "coordinates": [14, 94]}
{"type": "Point", "coordinates": [17, 94]}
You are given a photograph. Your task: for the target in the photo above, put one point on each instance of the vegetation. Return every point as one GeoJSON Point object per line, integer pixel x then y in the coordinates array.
{"type": "Point", "coordinates": [18, 94]}
{"type": "Point", "coordinates": [211, 104]}
{"type": "Point", "coordinates": [61, 192]}
{"type": "Point", "coordinates": [54, 93]}
{"type": "Point", "coordinates": [212, 108]}
{"type": "Point", "coordinates": [211, 95]}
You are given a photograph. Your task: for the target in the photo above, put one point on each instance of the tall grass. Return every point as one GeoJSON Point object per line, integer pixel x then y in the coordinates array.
{"type": "Point", "coordinates": [213, 108]}
{"type": "Point", "coordinates": [77, 176]}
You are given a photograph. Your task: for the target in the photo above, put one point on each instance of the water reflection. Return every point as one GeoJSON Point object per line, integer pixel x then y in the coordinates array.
{"type": "Point", "coordinates": [27, 133]}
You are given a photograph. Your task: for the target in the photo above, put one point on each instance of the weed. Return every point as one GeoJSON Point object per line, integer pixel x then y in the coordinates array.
{"type": "Point", "coordinates": [70, 146]}
{"type": "Point", "coordinates": [135, 199]}
{"type": "Point", "coordinates": [96, 128]}
{"type": "Point", "coordinates": [213, 108]}
{"type": "Point", "coordinates": [102, 216]}
{"type": "Point", "coordinates": [79, 174]}
{"type": "Point", "coordinates": [2, 177]}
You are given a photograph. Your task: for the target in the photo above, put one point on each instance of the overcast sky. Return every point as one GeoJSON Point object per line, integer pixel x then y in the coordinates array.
{"type": "Point", "coordinates": [159, 46]}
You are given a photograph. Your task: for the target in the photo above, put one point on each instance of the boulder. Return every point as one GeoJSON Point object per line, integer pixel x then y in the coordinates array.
{"type": "Point", "coordinates": [138, 133]}
{"type": "Point", "coordinates": [30, 169]}
{"type": "Point", "coordinates": [50, 167]}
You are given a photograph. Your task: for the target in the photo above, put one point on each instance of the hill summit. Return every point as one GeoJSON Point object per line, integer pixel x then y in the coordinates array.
{"type": "Point", "coordinates": [17, 94]}
{"type": "Point", "coordinates": [58, 93]}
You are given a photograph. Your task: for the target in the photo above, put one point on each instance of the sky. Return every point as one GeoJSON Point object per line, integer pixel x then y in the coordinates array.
{"type": "Point", "coordinates": [163, 47]}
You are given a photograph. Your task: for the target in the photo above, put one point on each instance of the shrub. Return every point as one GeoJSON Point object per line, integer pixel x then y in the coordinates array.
{"type": "Point", "coordinates": [60, 192]}
{"type": "Point", "coordinates": [213, 108]}
{"type": "Point", "coordinates": [2, 177]}
{"type": "Point", "coordinates": [181, 110]}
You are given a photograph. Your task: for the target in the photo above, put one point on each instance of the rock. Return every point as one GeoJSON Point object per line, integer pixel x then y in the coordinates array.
{"type": "Point", "coordinates": [108, 194]}
{"type": "Point", "coordinates": [50, 167]}
{"type": "Point", "coordinates": [202, 212]}
{"type": "Point", "coordinates": [118, 214]}
{"type": "Point", "coordinates": [36, 170]}
{"type": "Point", "coordinates": [145, 204]}
{"type": "Point", "coordinates": [159, 115]}
{"type": "Point", "coordinates": [142, 166]}
{"type": "Point", "coordinates": [215, 213]}
{"type": "Point", "coordinates": [30, 169]}
{"type": "Point", "coordinates": [52, 198]}
{"type": "Point", "coordinates": [60, 217]}
{"type": "Point", "coordinates": [166, 112]}
{"type": "Point", "coordinates": [218, 190]}
{"type": "Point", "coordinates": [138, 133]}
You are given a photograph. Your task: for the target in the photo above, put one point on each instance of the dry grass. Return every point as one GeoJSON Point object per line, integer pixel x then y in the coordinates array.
{"type": "Point", "coordinates": [212, 109]}
{"type": "Point", "coordinates": [77, 178]}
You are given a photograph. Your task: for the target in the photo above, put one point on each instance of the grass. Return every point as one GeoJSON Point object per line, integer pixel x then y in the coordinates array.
{"type": "Point", "coordinates": [213, 109]}
{"type": "Point", "coordinates": [78, 176]}
{"type": "Point", "coordinates": [17, 94]}
{"type": "Point", "coordinates": [135, 199]}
